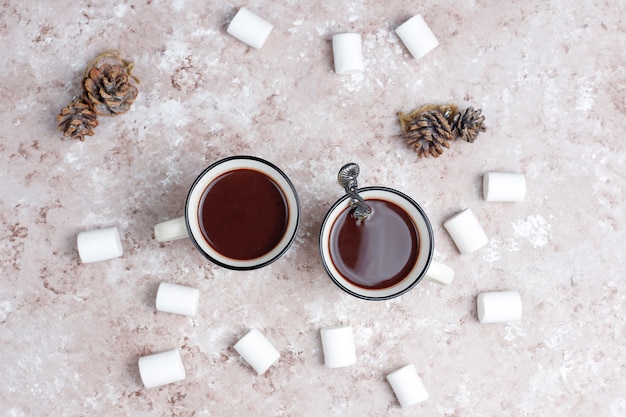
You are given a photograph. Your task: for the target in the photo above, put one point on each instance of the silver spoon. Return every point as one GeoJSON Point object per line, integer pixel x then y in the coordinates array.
{"type": "Point", "coordinates": [347, 179]}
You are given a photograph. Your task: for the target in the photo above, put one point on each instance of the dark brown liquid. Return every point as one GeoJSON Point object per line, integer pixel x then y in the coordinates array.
{"type": "Point", "coordinates": [378, 252]}
{"type": "Point", "coordinates": [243, 214]}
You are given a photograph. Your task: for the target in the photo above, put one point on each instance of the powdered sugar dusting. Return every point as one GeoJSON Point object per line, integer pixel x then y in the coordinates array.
{"type": "Point", "coordinates": [535, 229]}
{"type": "Point", "coordinates": [493, 252]}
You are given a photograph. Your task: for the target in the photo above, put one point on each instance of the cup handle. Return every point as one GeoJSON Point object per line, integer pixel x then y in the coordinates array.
{"type": "Point", "coordinates": [169, 230]}
{"type": "Point", "coordinates": [440, 273]}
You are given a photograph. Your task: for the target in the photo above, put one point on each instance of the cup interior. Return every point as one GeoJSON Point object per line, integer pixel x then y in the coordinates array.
{"type": "Point", "coordinates": [193, 218]}
{"type": "Point", "coordinates": [422, 261]}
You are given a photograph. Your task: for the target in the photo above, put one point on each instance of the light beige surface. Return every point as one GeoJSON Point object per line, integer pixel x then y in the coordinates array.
{"type": "Point", "coordinates": [550, 78]}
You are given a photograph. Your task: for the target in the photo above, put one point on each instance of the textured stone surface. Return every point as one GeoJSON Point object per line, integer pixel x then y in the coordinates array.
{"type": "Point", "coordinates": [551, 80]}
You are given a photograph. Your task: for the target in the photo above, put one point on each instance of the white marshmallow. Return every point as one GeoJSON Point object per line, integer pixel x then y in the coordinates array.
{"type": "Point", "coordinates": [257, 351]}
{"type": "Point", "coordinates": [177, 299]}
{"type": "Point", "coordinates": [440, 273]}
{"type": "Point", "coordinates": [466, 232]}
{"type": "Point", "coordinates": [504, 186]}
{"type": "Point", "coordinates": [161, 368]}
{"type": "Point", "coordinates": [499, 307]}
{"type": "Point", "coordinates": [407, 386]}
{"type": "Point", "coordinates": [173, 229]}
{"type": "Point", "coordinates": [99, 245]}
{"type": "Point", "coordinates": [338, 346]}
{"type": "Point", "coordinates": [417, 36]}
{"type": "Point", "coordinates": [347, 53]}
{"type": "Point", "coordinates": [250, 28]}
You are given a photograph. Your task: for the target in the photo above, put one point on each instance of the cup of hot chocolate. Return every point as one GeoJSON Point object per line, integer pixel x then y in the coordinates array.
{"type": "Point", "coordinates": [376, 243]}
{"type": "Point", "coordinates": [241, 213]}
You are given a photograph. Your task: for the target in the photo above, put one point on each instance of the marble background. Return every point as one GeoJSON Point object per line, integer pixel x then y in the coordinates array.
{"type": "Point", "coordinates": [550, 77]}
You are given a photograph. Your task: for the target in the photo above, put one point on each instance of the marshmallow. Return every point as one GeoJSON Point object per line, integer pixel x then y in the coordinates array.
{"type": "Point", "coordinates": [177, 299]}
{"type": "Point", "coordinates": [347, 53]}
{"type": "Point", "coordinates": [257, 351]}
{"type": "Point", "coordinates": [466, 232]}
{"type": "Point", "coordinates": [440, 273]}
{"type": "Point", "coordinates": [504, 186]}
{"type": "Point", "coordinates": [161, 368]}
{"type": "Point", "coordinates": [417, 36]}
{"type": "Point", "coordinates": [338, 346]}
{"type": "Point", "coordinates": [171, 230]}
{"type": "Point", "coordinates": [99, 245]}
{"type": "Point", "coordinates": [250, 28]}
{"type": "Point", "coordinates": [407, 386]}
{"type": "Point", "coordinates": [499, 306]}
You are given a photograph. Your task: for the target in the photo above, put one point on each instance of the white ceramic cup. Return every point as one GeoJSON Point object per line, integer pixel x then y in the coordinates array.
{"type": "Point", "coordinates": [244, 214]}
{"type": "Point", "coordinates": [411, 268]}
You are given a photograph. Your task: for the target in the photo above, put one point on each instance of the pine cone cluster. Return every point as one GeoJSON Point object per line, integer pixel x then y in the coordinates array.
{"type": "Point", "coordinates": [429, 129]}
{"type": "Point", "coordinates": [107, 91]}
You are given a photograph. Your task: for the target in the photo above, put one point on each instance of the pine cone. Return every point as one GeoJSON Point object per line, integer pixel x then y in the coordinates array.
{"type": "Point", "coordinates": [77, 120]}
{"type": "Point", "coordinates": [469, 125]}
{"type": "Point", "coordinates": [108, 90]}
{"type": "Point", "coordinates": [427, 133]}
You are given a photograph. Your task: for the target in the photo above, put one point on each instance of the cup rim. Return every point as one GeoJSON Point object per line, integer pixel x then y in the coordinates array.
{"type": "Point", "coordinates": [291, 196]}
{"type": "Point", "coordinates": [416, 280]}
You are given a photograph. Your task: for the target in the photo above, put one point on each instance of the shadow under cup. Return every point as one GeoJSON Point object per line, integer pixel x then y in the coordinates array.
{"type": "Point", "coordinates": [383, 256]}
{"type": "Point", "coordinates": [242, 213]}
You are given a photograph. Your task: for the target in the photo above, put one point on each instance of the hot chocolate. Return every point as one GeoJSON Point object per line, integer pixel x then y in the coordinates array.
{"type": "Point", "coordinates": [378, 252]}
{"type": "Point", "coordinates": [243, 214]}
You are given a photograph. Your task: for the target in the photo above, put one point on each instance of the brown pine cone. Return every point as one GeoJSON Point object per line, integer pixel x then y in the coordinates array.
{"type": "Point", "coordinates": [108, 89]}
{"type": "Point", "coordinates": [77, 120]}
{"type": "Point", "coordinates": [427, 133]}
{"type": "Point", "coordinates": [469, 125]}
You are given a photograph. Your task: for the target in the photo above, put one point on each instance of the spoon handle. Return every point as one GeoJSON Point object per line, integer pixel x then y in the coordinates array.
{"type": "Point", "coordinates": [347, 178]}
